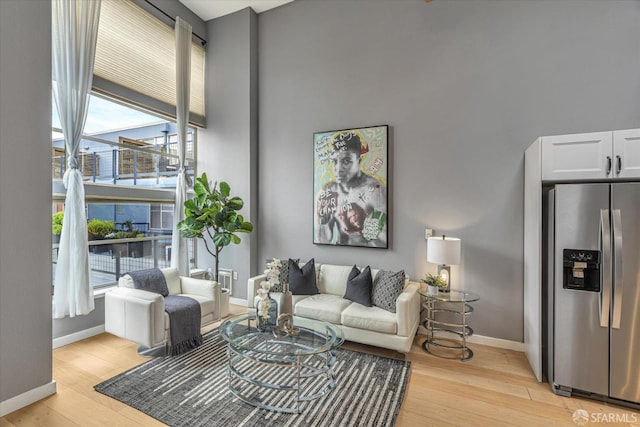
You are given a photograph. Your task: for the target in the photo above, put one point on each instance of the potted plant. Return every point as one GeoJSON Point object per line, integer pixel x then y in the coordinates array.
{"type": "Point", "coordinates": [434, 282]}
{"type": "Point", "coordinates": [56, 225]}
{"type": "Point", "coordinates": [213, 213]}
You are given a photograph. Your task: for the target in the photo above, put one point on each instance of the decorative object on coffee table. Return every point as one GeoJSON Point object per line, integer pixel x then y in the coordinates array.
{"type": "Point", "coordinates": [267, 308]}
{"type": "Point", "coordinates": [285, 325]}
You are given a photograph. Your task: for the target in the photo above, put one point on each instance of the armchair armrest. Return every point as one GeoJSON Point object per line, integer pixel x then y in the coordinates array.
{"type": "Point", "coordinates": [206, 288]}
{"type": "Point", "coordinates": [408, 309]}
{"type": "Point", "coordinates": [135, 315]}
{"type": "Point", "coordinates": [253, 284]}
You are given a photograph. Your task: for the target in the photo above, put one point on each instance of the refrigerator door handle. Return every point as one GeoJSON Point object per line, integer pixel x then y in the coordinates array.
{"type": "Point", "coordinates": [605, 293]}
{"type": "Point", "coordinates": [617, 269]}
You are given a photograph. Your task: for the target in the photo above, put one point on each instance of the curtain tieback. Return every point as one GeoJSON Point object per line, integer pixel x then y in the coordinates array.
{"type": "Point", "coordinates": [72, 162]}
{"type": "Point", "coordinates": [187, 178]}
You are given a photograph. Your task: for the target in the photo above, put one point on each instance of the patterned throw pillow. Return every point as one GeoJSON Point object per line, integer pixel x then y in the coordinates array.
{"type": "Point", "coordinates": [359, 286]}
{"type": "Point", "coordinates": [387, 286]}
{"type": "Point", "coordinates": [302, 281]}
{"type": "Point", "coordinates": [283, 277]}
{"type": "Point", "coordinates": [284, 272]}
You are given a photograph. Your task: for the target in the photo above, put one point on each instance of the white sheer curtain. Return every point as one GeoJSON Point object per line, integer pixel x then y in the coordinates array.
{"type": "Point", "coordinates": [179, 249]}
{"type": "Point", "coordinates": [75, 30]}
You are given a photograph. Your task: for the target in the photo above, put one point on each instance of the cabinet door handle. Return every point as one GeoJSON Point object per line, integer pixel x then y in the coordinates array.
{"type": "Point", "coordinates": [618, 165]}
{"type": "Point", "coordinates": [608, 165]}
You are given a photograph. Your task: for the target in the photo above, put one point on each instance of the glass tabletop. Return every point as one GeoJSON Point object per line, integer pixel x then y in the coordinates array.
{"type": "Point", "coordinates": [241, 334]}
{"type": "Point", "coordinates": [453, 295]}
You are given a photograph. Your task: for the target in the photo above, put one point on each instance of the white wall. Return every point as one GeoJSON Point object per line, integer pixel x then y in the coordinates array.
{"type": "Point", "coordinates": [466, 87]}
{"type": "Point", "coordinates": [25, 197]}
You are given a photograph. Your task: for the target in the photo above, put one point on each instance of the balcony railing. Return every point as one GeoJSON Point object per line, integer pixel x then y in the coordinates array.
{"type": "Point", "coordinates": [110, 259]}
{"type": "Point", "coordinates": [108, 162]}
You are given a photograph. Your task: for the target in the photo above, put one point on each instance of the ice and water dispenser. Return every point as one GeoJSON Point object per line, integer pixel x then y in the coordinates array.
{"type": "Point", "coordinates": [581, 270]}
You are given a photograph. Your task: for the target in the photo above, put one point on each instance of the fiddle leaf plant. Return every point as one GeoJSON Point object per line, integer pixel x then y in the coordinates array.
{"type": "Point", "coordinates": [213, 213]}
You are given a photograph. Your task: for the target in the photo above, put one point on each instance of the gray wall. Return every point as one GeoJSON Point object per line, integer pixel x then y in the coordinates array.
{"type": "Point", "coordinates": [466, 86]}
{"type": "Point", "coordinates": [227, 149]}
{"type": "Point", "coordinates": [71, 325]}
{"type": "Point", "coordinates": [25, 192]}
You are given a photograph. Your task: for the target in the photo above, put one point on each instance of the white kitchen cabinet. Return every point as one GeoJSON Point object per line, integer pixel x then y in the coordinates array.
{"type": "Point", "coordinates": [587, 156]}
{"type": "Point", "coordinates": [626, 153]}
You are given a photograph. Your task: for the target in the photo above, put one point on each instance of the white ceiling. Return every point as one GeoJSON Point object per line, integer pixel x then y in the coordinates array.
{"type": "Point", "coordinates": [209, 9]}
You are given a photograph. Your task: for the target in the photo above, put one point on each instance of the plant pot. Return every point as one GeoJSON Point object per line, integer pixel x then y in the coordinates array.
{"type": "Point", "coordinates": [432, 290]}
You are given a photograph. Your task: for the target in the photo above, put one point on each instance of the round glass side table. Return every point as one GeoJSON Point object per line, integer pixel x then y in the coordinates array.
{"type": "Point", "coordinates": [446, 323]}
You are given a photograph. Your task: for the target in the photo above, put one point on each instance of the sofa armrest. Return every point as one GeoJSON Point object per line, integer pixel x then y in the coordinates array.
{"type": "Point", "coordinates": [253, 284]}
{"type": "Point", "coordinates": [135, 315]}
{"type": "Point", "coordinates": [408, 309]}
{"type": "Point", "coordinates": [206, 288]}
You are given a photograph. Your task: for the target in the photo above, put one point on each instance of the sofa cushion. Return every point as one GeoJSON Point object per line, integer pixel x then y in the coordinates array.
{"type": "Point", "coordinates": [359, 286]}
{"type": "Point", "coordinates": [387, 286]}
{"type": "Point", "coordinates": [369, 318]}
{"type": "Point", "coordinates": [302, 281]}
{"type": "Point", "coordinates": [333, 279]}
{"type": "Point", "coordinates": [325, 307]}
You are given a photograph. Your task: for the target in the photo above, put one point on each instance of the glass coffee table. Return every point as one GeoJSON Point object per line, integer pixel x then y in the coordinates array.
{"type": "Point", "coordinates": [276, 371]}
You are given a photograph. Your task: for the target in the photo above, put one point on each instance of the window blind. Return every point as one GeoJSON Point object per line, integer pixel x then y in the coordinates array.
{"type": "Point", "coordinates": [135, 61]}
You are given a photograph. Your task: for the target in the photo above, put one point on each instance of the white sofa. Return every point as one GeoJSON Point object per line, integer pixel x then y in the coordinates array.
{"type": "Point", "coordinates": [358, 323]}
{"type": "Point", "coordinates": [139, 316]}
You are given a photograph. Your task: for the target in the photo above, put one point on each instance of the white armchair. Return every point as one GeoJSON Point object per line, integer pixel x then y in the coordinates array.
{"type": "Point", "coordinates": [139, 315]}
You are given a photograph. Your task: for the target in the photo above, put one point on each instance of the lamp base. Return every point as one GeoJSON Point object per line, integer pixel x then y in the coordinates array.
{"type": "Point", "coordinates": [444, 271]}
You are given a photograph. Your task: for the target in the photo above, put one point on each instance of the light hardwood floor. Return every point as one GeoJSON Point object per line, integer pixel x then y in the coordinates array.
{"type": "Point", "coordinates": [495, 388]}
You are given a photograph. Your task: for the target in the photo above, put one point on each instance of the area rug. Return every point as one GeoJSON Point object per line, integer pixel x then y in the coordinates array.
{"type": "Point", "coordinates": [192, 390]}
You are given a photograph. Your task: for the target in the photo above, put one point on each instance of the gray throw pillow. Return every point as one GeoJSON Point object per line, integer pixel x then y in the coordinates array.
{"type": "Point", "coordinates": [302, 281]}
{"type": "Point", "coordinates": [387, 286]}
{"type": "Point", "coordinates": [359, 286]}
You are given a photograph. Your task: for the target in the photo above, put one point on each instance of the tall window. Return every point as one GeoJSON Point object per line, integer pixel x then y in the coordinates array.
{"type": "Point", "coordinates": [128, 158]}
{"type": "Point", "coordinates": [131, 156]}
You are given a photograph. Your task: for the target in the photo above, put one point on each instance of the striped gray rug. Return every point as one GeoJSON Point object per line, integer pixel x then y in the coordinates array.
{"type": "Point", "coordinates": [191, 390]}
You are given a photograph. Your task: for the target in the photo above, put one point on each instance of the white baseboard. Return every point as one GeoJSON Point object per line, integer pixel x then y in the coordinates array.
{"type": "Point", "coordinates": [27, 398]}
{"type": "Point", "coordinates": [238, 301]}
{"type": "Point", "coordinates": [490, 341]}
{"type": "Point", "coordinates": [78, 336]}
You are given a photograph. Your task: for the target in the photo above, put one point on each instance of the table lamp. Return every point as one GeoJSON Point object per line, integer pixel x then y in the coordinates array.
{"type": "Point", "coordinates": [444, 251]}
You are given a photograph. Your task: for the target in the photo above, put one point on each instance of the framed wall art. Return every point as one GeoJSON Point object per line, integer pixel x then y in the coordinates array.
{"type": "Point", "coordinates": [350, 187]}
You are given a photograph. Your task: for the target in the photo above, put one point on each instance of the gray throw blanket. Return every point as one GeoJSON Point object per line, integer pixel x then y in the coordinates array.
{"type": "Point", "coordinates": [184, 312]}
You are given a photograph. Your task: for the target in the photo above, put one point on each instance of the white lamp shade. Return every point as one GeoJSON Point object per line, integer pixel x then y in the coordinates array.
{"type": "Point", "coordinates": [443, 250]}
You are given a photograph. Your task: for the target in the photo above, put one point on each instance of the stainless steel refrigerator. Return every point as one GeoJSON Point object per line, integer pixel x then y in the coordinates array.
{"type": "Point", "coordinates": [593, 293]}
